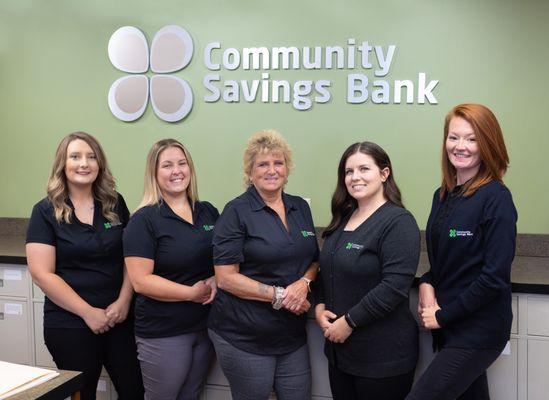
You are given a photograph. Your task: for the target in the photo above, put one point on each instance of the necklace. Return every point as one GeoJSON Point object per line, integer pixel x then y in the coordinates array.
{"type": "Point", "coordinates": [85, 208]}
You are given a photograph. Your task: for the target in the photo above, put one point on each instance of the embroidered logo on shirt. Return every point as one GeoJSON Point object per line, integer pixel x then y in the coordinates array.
{"type": "Point", "coordinates": [455, 233]}
{"type": "Point", "coordinates": [307, 233]}
{"type": "Point", "coordinates": [355, 246]}
{"type": "Point", "coordinates": [109, 225]}
{"type": "Point", "coordinates": [208, 228]}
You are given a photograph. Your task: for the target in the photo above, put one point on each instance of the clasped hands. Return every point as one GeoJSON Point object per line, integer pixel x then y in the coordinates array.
{"type": "Point", "coordinates": [337, 331]}
{"type": "Point", "coordinates": [295, 297]}
{"type": "Point", "coordinates": [204, 291]}
{"type": "Point", "coordinates": [100, 320]}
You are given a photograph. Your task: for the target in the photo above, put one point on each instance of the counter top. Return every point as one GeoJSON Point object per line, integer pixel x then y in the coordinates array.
{"type": "Point", "coordinates": [60, 387]}
{"type": "Point", "coordinates": [528, 275]}
{"type": "Point", "coordinates": [12, 249]}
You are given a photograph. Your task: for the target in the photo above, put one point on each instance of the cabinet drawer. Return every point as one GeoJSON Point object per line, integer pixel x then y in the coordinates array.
{"type": "Point", "coordinates": [37, 293]}
{"type": "Point", "coordinates": [503, 375]}
{"type": "Point", "coordinates": [514, 308]}
{"type": "Point", "coordinates": [216, 375]}
{"type": "Point", "coordinates": [319, 364]}
{"type": "Point", "coordinates": [14, 332]}
{"type": "Point", "coordinates": [14, 280]}
{"type": "Point", "coordinates": [43, 356]}
{"type": "Point", "coordinates": [103, 389]}
{"type": "Point", "coordinates": [538, 315]}
{"type": "Point", "coordinates": [216, 393]}
{"type": "Point", "coordinates": [538, 369]}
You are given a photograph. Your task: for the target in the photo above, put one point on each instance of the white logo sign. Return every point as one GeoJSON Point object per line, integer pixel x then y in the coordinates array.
{"type": "Point", "coordinates": [171, 50]}
{"type": "Point", "coordinates": [303, 94]}
{"type": "Point", "coordinates": [367, 65]}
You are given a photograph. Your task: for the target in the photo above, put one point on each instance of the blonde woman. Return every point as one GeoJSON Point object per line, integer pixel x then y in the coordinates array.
{"type": "Point", "coordinates": [168, 252]}
{"type": "Point", "coordinates": [74, 253]}
{"type": "Point", "coordinates": [265, 253]}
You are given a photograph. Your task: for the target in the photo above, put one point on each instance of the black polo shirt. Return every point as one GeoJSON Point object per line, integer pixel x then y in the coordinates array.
{"type": "Point", "coordinates": [88, 258]}
{"type": "Point", "coordinates": [182, 253]}
{"type": "Point", "coordinates": [251, 234]}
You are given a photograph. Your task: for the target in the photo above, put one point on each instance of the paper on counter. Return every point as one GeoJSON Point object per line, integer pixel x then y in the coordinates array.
{"type": "Point", "coordinates": [14, 378]}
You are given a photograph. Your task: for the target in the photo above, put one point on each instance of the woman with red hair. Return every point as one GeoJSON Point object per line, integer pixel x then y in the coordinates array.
{"type": "Point", "coordinates": [465, 297]}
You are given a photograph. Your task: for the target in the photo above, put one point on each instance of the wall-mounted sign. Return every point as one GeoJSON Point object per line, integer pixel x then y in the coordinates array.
{"type": "Point", "coordinates": [171, 50]}
{"type": "Point", "coordinates": [367, 67]}
{"type": "Point", "coordinates": [303, 93]}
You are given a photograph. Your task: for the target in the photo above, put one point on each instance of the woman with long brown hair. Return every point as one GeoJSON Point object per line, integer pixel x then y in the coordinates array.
{"type": "Point", "coordinates": [74, 253]}
{"type": "Point", "coordinates": [367, 266]}
{"type": "Point", "coordinates": [465, 298]}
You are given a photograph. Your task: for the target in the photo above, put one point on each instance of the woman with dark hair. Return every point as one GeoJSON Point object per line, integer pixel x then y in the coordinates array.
{"type": "Point", "coordinates": [367, 266]}
{"type": "Point", "coordinates": [74, 252]}
{"type": "Point", "coordinates": [465, 298]}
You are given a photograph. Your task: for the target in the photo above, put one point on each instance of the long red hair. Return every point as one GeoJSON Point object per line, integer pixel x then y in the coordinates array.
{"type": "Point", "coordinates": [493, 153]}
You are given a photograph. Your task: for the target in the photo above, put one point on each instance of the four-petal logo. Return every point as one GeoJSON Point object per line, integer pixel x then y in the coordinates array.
{"type": "Point", "coordinates": [171, 50]}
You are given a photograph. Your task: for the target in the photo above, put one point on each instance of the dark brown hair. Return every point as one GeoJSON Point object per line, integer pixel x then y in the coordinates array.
{"type": "Point", "coordinates": [343, 204]}
{"type": "Point", "coordinates": [493, 153]}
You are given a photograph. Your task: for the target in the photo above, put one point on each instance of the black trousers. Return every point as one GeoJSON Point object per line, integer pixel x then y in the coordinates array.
{"type": "Point", "coordinates": [456, 374]}
{"type": "Point", "coordinates": [351, 387]}
{"type": "Point", "coordinates": [82, 350]}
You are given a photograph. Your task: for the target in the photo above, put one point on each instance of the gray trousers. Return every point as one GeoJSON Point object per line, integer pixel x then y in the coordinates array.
{"type": "Point", "coordinates": [254, 376]}
{"type": "Point", "coordinates": [174, 367]}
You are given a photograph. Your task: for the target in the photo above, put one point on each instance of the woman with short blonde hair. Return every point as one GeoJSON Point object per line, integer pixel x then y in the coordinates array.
{"type": "Point", "coordinates": [265, 254]}
{"type": "Point", "coordinates": [263, 142]}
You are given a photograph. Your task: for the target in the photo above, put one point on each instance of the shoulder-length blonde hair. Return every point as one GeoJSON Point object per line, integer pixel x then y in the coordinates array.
{"type": "Point", "coordinates": [151, 191]}
{"type": "Point", "coordinates": [104, 188]}
{"type": "Point", "coordinates": [263, 142]}
{"type": "Point", "coordinates": [493, 153]}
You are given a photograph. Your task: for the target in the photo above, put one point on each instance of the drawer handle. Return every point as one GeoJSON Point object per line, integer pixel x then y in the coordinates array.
{"type": "Point", "coordinates": [1, 283]}
{"type": "Point", "coordinates": [1, 316]}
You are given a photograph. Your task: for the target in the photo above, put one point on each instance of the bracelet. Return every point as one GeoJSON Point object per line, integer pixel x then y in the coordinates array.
{"type": "Point", "coordinates": [350, 321]}
{"type": "Point", "coordinates": [277, 298]}
{"type": "Point", "coordinates": [308, 281]}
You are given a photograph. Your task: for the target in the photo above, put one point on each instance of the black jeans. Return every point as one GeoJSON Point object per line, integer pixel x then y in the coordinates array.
{"type": "Point", "coordinates": [456, 374]}
{"type": "Point", "coordinates": [351, 387]}
{"type": "Point", "coordinates": [82, 350]}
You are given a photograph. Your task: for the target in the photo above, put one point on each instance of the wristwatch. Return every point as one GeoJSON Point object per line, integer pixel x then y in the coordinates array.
{"type": "Point", "coordinates": [277, 299]}
{"type": "Point", "coordinates": [308, 283]}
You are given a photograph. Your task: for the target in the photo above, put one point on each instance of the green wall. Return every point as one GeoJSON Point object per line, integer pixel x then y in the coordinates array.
{"type": "Point", "coordinates": [55, 76]}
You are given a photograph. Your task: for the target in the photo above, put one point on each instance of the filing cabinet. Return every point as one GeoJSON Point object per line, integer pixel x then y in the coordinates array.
{"type": "Point", "coordinates": [519, 374]}
{"type": "Point", "coordinates": [14, 331]}
{"type": "Point", "coordinates": [14, 280]}
{"type": "Point", "coordinates": [503, 374]}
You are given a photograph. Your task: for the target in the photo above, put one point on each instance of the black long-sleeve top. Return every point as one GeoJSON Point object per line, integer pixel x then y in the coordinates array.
{"type": "Point", "coordinates": [471, 266]}
{"type": "Point", "coordinates": [369, 275]}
